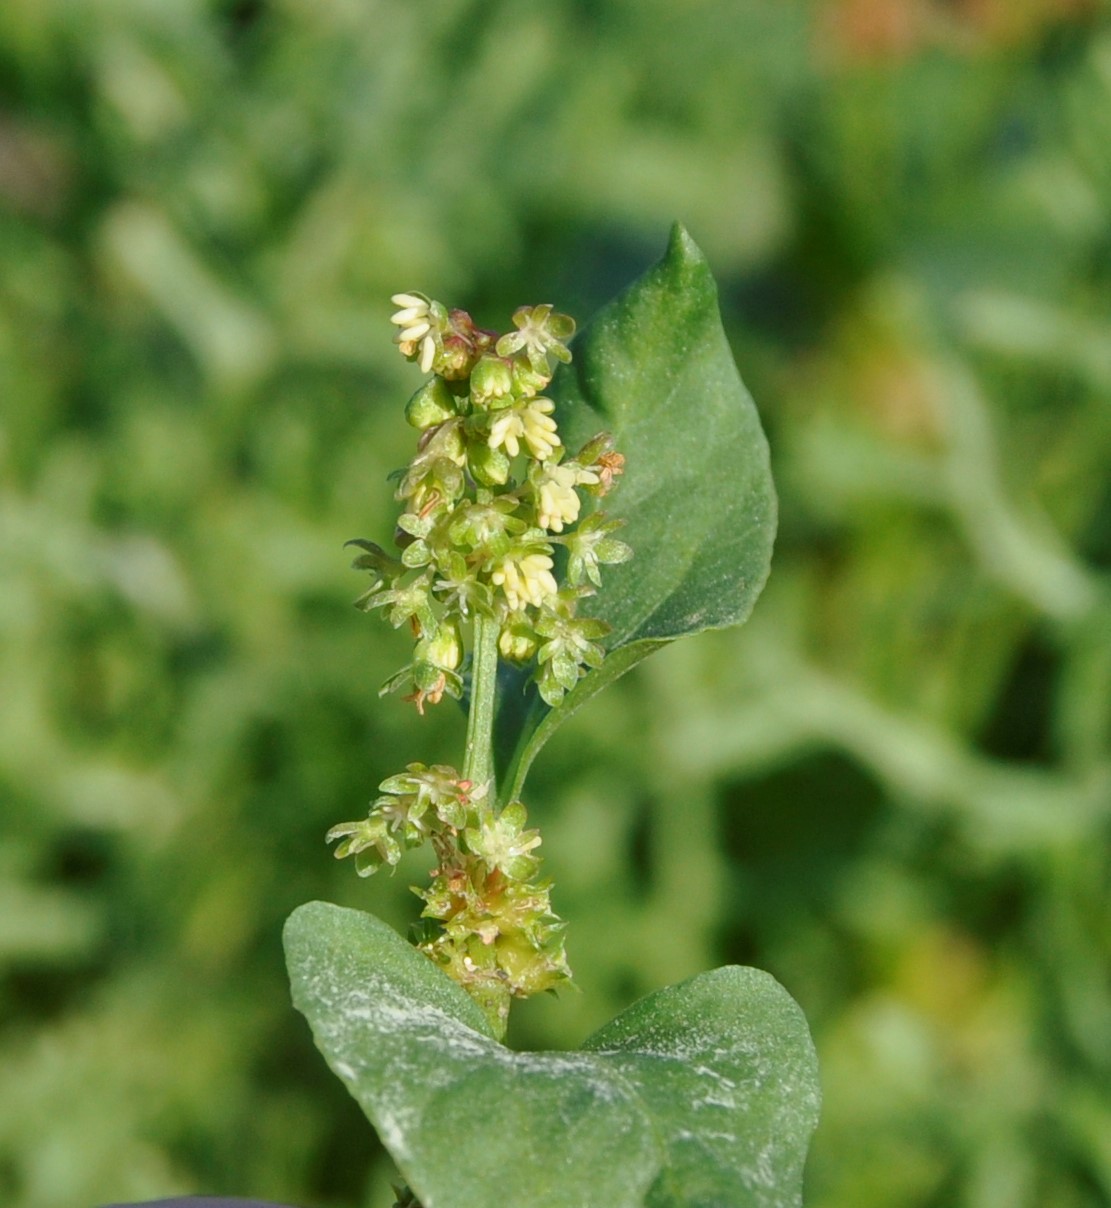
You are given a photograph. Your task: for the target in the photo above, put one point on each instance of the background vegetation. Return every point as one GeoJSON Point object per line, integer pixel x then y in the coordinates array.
{"type": "Point", "coordinates": [892, 788]}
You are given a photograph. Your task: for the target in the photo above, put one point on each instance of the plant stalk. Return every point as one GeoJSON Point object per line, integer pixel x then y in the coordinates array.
{"type": "Point", "coordinates": [478, 759]}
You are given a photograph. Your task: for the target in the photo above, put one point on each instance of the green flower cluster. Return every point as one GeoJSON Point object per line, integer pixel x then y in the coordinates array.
{"type": "Point", "coordinates": [419, 804]}
{"type": "Point", "coordinates": [487, 919]}
{"type": "Point", "coordinates": [488, 501]}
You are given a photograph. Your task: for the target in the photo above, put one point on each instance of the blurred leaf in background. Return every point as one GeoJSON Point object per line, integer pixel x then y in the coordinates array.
{"type": "Point", "coordinates": [892, 789]}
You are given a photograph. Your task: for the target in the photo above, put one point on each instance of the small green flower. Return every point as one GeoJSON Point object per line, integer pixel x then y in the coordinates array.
{"type": "Point", "coordinates": [591, 545]}
{"type": "Point", "coordinates": [487, 525]}
{"type": "Point", "coordinates": [432, 486]}
{"type": "Point", "coordinates": [459, 590]}
{"type": "Point", "coordinates": [540, 334]}
{"type": "Point", "coordinates": [572, 646]}
{"type": "Point", "coordinates": [413, 804]}
{"type": "Point", "coordinates": [438, 788]}
{"type": "Point", "coordinates": [409, 603]}
{"type": "Point", "coordinates": [405, 816]}
{"type": "Point", "coordinates": [503, 843]}
{"type": "Point", "coordinates": [369, 841]}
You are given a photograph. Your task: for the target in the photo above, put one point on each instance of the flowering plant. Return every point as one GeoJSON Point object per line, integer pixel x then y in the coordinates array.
{"type": "Point", "coordinates": [488, 497]}
{"type": "Point", "coordinates": [523, 603]}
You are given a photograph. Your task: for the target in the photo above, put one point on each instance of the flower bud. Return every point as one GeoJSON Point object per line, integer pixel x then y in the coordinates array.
{"type": "Point", "coordinates": [461, 346]}
{"type": "Point", "coordinates": [517, 642]}
{"type": "Point", "coordinates": [491, 379]}
{"type": "Point", "coordinates": [444, 649]}
{"type": "Point", "coordinates": [489, 466]}
{"type": "Point", "coordinates": [431, 404]}
{"type": "Point", "coordinates": [450, 443]}
{"type": "Point", "coordinates": [455, 359]}
{"type": "Point", "coordinates": [527, 381]}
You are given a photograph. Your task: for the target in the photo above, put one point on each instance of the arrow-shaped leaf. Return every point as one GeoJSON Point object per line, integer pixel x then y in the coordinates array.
{"type": "Point", "coordinates": [655, 369]}
{"type": "Point", "coordinates": [703, 1095]}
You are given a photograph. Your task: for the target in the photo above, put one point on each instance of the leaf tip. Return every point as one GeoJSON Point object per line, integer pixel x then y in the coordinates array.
{"type": "Point", "coordinates": [681, 247]}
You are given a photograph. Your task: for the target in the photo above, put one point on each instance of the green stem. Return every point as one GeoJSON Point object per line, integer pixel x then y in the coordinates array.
{"type": "Point", "coordinates": [478, 760]}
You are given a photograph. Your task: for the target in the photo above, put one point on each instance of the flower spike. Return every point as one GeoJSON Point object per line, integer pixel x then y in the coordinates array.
{"type": "Point", "coordinates": [486, 498]}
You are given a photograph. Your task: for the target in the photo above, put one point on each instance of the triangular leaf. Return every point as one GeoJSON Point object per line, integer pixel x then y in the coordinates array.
{"type": "Point", "coordinates": [702, 1095]}
{"type": "Point", "coordinates": [655, 369]}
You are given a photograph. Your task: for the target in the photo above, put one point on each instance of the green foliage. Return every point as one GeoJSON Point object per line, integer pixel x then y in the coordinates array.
{"type": "Point", "coordinates": [704, 1093]}
{"type": "Point", "coordinates": [731, 1129]}
{"type": "Point", "coordinates": [889, 788]}
{"type": "Point", "coordinates": [655, 370]}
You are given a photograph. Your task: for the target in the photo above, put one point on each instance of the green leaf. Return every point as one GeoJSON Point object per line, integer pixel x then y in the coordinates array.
{"type": "Point", "coordinates": [725, 1066]}
{"type": "Point", "coordinates": [655, 369]}
{"type": "Point", "coordinates": [703, 1094]}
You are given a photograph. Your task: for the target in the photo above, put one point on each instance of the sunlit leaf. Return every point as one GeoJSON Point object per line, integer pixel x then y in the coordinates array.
{"type": "Point", "coordinates": [655, 369]}
{"type": "Point", "coordinates": [702, 1094]}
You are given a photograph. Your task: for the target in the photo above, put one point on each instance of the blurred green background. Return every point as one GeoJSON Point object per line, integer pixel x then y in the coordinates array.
{"type": "Point", "coordinates": [892, 788]}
